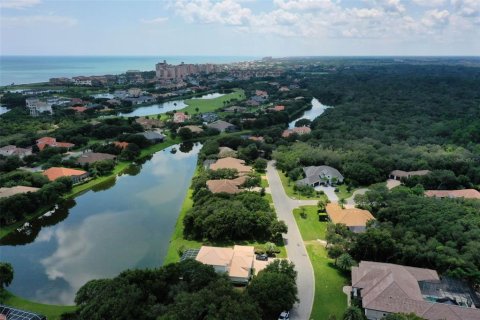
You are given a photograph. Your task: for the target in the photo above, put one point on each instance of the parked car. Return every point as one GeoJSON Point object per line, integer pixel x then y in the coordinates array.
{"type": "Point", "coordinates": [262, 257]}
{"type": "Point", "coordinates": [285, 315]}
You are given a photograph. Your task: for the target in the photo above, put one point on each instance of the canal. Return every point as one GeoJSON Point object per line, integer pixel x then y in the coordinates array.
{"type": "Point", "coordinates": [123, 224]}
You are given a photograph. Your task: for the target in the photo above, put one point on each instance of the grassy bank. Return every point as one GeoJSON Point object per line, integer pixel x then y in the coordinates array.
{"type": "Point", "coordinates": [52, 312]}
{"type": "Point", "coordinates": [329, 298]}
{"type": "Point", "coordinates": [343, 193]}
{"type": "Point", "coordinates": [288, 186]}
{"type": "Point", "coordinates": [210, 105]}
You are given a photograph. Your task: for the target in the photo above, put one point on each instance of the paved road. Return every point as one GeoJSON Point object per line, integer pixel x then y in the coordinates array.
{"type": "Point", "coordinates": [294, 244]}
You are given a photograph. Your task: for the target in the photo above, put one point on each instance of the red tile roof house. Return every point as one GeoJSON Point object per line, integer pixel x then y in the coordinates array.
{"type": "Point", "coordinates": [297, 130]}
{"type": "Point", "coordinates": [465, 193]}
{"type": "Point", "coordinates": [384, 288]}
{"type": "Point", "coordinates": [277, 108]}
{"type": "Point", "coordinates": [52, 142]}
{"type": "Point", "coordinates": [79, 109]}
{"type": "Point", "coordinates": [179, 117]}
{"type": "Point", "coordinates": [58, 172]}
{"type": "Point", "coordinates": [121, 145]}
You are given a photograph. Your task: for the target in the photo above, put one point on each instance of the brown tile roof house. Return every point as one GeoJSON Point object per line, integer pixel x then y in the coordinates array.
{"type": "Point", "coordinates": [465, 193]}
{"type": "Point", "coordinates": [236, 262]}
{"type": "Point", "coordinates": [194, 129]}
{"type": "Point", "coordinates": [355, 219]}
{"type": "Point", "coordinates": [52, 142]}
{"type": "Point", "coordinates": [277, 108]}
{"type": "Point", "coordinates": [231, 163]}
{"type": "Point", "coordinates": [121, 145]}
{"type": "Point", "coordinates": [225, 152]}
{"type": "Point", "coordinates": [399, 174]}
{"type": "Point", "coordinates": [91, 157]}
{"type": "Point", "coordinates": [8, 192]}
{"type": "Point", "coordinates": [226, 185]}
{"type": "Point", "coordinates": [297, 130]}
{"type": "Point", "coordinates": [385, 288]}
{"type": "Point", "coordinates": [57, 172]}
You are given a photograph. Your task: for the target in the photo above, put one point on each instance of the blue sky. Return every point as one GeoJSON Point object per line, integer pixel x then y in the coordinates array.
{"type": "Point", "coordinates": [240, 27]}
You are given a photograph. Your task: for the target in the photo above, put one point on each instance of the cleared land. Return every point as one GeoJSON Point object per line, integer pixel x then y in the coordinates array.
{"type": "Point", "coordinates": [52, 312]}
{"type": "Point", "coordinates": [210, 105]}
{"type": "Point", "coordinates": [329, 281]}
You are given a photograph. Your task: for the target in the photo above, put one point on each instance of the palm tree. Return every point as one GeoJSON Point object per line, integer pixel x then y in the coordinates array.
{"type": "Point", "coordinates": [342, 202]}
{"type": "Point", "coordinates": [345, 261]}
{"type": "Point", "coordinates": [353, 313]}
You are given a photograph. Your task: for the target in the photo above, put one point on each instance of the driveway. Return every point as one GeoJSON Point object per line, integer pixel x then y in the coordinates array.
{"type": "Point", "coordinates": [329, 192]}
{"type": "Point", "coordinates": [350, 200]}
{"type": "Point", "coordinates": [294, 244]}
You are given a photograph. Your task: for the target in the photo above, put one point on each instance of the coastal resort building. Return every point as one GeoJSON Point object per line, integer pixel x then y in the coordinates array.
{"type": "Point", "coordinates": [465, 193]}
{"type": "Point", "coordinates": [180, 117]}
{"type": "Point", "coordinates": [10, 313]}
{"type": "Point", "coordinates": [297, 130]}
{"type": "Point", "coordinates": [231, 163]}
{"type": "Point", "coordinates": [355, 219]}
{"type": "Point", "coordinates": [321, 175]}
{"type": "Point", "coordinates": [226, 185]}
{"type": "Point", "coordinates": [92, 157]}
{"type": "Point", "coordinates": [38, 107]}
{"type": "Point", "coordinates": [384, 288]}
{"type": "Point", "coordinates": [399, 174]}
{"type": "Point", "coordinates": [237, 263]}
{"type": "Point", "coordinates": [12, 150]}
{"type": "Point", "coordinates": [8, 192]}
{"type": "Point", "coordinates": [52, 142]}
{"type": "Point", "coordinates": [58, 172]}
{"type": "Point", "coordinates": [222, 126]}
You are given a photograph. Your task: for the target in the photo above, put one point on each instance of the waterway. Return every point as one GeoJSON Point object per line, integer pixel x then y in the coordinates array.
{"type": "Point", "coordinates": [124, 223]}
{"type": "Point", "coordinates": [3, 110]}
{"type": "Point", "coordinates": [317, 109]}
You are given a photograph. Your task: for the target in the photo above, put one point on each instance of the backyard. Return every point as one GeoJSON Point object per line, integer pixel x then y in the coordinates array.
{"type": "Point", "coordinates": [52, 312]}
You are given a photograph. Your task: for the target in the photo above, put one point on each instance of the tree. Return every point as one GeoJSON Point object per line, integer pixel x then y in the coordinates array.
{"type": "Point", "coordinates": [335, 252]}
{"type": "Point", "coordinates": [270, 248]}
{"type": "Point", "coordinates": [260, 165]}
{"type": "Point", "coordinates": [342, 202]}
{"type": "Point", "coordinates": [345, 261]}
{"type": "Point", "coordinates": [185, 134]}
{"type": "Point", "coordinates": [6, 275]}
{"type": "Point", "coordinates": [402, 316]}
{"type": "Point", "coordinates": [353, 313]}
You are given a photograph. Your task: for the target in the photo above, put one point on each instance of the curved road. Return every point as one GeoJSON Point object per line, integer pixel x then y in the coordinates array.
{"type": "Point", "coordinates": [294, 244]}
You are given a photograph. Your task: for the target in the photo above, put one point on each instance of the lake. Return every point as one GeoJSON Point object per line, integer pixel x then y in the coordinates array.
{"type": "Point", "coordinates": [122, 224]}
{"type": "Point", "coordinates": [317, 109]}
{"type": "Point", "coordinates": [165, 107]}
{"type": "Point", "coordinates": [3, 110]}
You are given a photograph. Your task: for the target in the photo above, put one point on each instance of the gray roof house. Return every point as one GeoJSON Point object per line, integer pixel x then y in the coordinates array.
{"type": "Point", "coordinates": [315, 176]}
{"type": "Point", "coordinates": [221, 126]}
{"type": "Point", "coordinates": [153, 136]}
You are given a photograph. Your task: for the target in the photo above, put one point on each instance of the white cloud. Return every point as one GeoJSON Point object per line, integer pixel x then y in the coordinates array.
{"type": "Point", "coordinates": [435, 18]}
{"type": "Point", "coordinates": [227, 12]}
{"type": "Point", "coordinates": [429, 3]}
{"type": "Point", "coordinates": [391, 5]}
{"type": "Point", "coordinates": [304, 4]}
{"type": "Point", "coordinates": [367, 13]}
{"type": "Point", "coordinates": [26, 21]}
{"type": "Point", "coordinates": [159, 20]}
{"type": "Point", "coordinates": [467, 8]}
{"type": "Point", "coordinates": [18, 4]}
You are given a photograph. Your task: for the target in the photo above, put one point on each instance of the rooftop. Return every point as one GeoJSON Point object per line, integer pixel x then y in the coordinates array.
{"type": "Point", "coordinates": [58, 172]}
{"type": "Point", "coordinates": [8, 192]}
{"type": "Point", "coordinates": [465, 193]}
{"type": "Point", "coordinates": [350, 217]}
{"type": "Point", "coordinates": [231, 163]}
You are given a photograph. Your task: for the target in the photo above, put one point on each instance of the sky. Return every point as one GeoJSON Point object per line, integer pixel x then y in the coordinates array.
{"type": "Point", "coordinates": [240, 27]}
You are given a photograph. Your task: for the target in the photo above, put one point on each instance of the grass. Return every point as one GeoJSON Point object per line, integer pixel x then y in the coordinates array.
{"type": "Point", "coordinates": [5, 230]}
{"type": "Point", "coordinates": [310, 227]}
{"type": "Point", "coordinates": [343, 192]}
{"type": "Point", "coordinates": [288, 186]}
{"type": "Point", "coordinates": [52, 312]}
{"type": "Point", "coordinates": [329, 298]}
{"type": "Point", "coordinates": [179, 243]}
{"type": "Point", "coordinates": [329, 281]}
{"type": "Point", "coordinates": [210, 105]}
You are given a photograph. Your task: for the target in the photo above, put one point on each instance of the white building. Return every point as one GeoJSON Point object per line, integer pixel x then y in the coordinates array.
{"type": "Point", "coordinates": [36, 107]}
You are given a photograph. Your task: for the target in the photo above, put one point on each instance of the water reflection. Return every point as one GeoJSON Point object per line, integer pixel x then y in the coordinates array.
{"type": "Point", "coordinates": [317, 109]}
{"type": "Point", "coordinates": [126, 223]}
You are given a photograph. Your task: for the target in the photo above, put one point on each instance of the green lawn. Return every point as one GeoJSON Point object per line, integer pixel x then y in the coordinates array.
{"type": "Point", "coordinates": [288, 187]}
{"type": "Point", "coordinates": [310, 227]}
{"type": "Point", "coordinates": [209, 105]}
{"type": "Point", "coordinates": [178, 242]}
{"type": "Point", "coordinates": [52, 312]}
{"type": "Point", "coordinates": [343, 193]}
{"type": "Point", "coordinates": [329, 298]}
{"type": "Point", "coordinates": [329, 281]}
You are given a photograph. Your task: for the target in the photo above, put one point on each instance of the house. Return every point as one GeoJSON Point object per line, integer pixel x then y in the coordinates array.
{"type": "Point", "coordinates": [237, 263]}
{"type": "Point", "coordinates": [209, 117]}
{"type": "Point", "coordinates": [231, 163]}
{"type": "Point", "coordinates": [37, 107]}
{"type": "Point", "coordinates": [11, 150]}
{"type": "Point", "coordinates": [58, 172]}
{"type": "Point", "coordinates": [180, 117]}
{"type": "Point", "coordinates": [134, 92]}
{"type": "Point", "coordinates": [298, 130]}
{"type": "Point", "coordinates": [8, 192]}
{"type": "Point", "coordinates": [226, 185]}
{"type": "Point", "coordinates": [252, 103]}
{"type": "Point", "coordinates": [315, 176]}
{"type": "Point", "coordinates": [153, 136]}
{"type": "Point", "coordinates": [284, 89]}
{"type": "Point", "coordinates": [10, 313]}
{"type": "Point", "coordinates": [52, 142]}
{"type": "Point", "coordinates": [235, 109]}
{"type": "Point", "coordinates": [92, 157]}
{"type": "Point", "coordinates": [193, 129]}
{"type": "Point", "coordinates": [399, 174]}
{"type": "Point", "coordinates": [261, 93]}
{"type": "Point", "coordinates": [257, 138]}
{"type": "Point", "coordinates": [79, 109]}
{"type": "Point", "coordinates": [221, 126]}
{"type": "Point", "coordinates": [225, 152]}
{"type": "Point", "coordinates": [277, 108]}
{"type": "Point", "coordinates": [384, 288]}
{"type": "Point", "coordinates": [121, 144]}
{"type": "Point", "coordinates": [465, 193]}
{"type": "Point", "coordinates": [147, 123]}
{"type": "Point", "coordinates": [355, 219]}
{"type": "Point", "coordinates": [82, 81]}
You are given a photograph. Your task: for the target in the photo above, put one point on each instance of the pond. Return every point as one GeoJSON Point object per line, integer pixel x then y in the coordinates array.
{"type": "Point", "coordinates": [165, 107]}
{"type": "Point", "coordinates": [317, 109]}
{"type": "Point", "coordinates": [123, 224]}
{"type": "Point", "coordinates": [3, 110]}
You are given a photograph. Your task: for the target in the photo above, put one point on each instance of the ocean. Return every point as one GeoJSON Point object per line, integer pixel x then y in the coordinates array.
{"type": "Point", "coordinates": [33, 69]}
